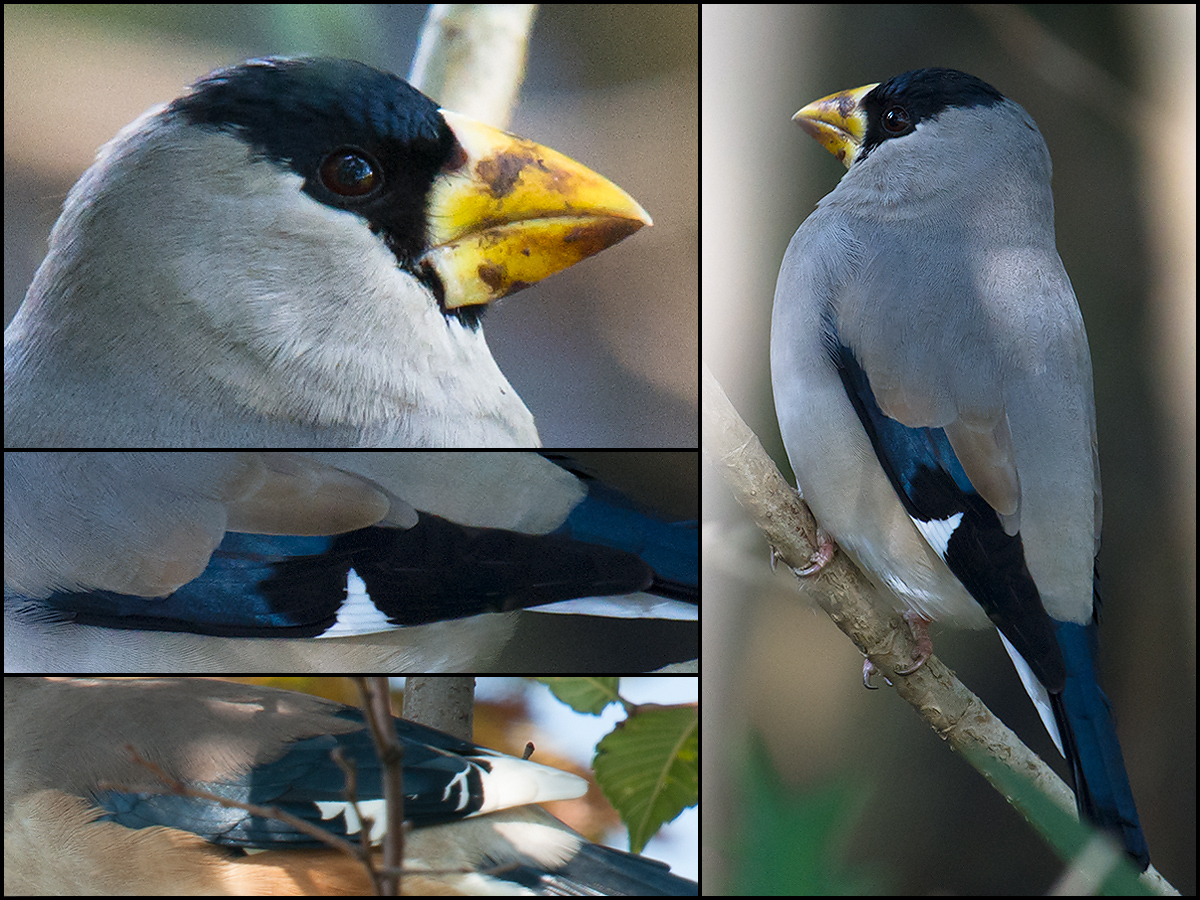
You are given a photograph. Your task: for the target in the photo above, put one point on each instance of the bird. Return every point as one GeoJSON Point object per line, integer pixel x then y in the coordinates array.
{"type": "Point", "coordinates": [266, 561]}
{"type": "Point", "coordinates": [933, 386]}
{"type": "Point", "coordinates": [297, 252]}
{"type": "Point", "coordinates": [95, 816]}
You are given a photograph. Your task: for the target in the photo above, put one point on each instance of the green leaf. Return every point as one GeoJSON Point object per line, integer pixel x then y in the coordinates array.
{"type": "Point", "coordinates": [585, 695]}
{"type": "Point", "coordinates": [649, 768]}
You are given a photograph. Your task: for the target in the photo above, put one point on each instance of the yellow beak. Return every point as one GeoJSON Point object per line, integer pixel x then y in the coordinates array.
{"type": "Point", "coordinates": [838, 122]}
{"type": "Point", "coordinates": [514, 212]}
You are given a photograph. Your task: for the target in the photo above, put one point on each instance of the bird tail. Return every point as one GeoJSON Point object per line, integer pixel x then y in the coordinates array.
{"type": "Point", "coordinates": [1090, 744]}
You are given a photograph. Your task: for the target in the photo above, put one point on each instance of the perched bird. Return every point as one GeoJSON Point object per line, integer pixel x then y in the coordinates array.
{"type": "Point", "coordinates": [317, 561]}
{"type": "Point", "coordinates": [295, 253]}
{"type": "Point", "coordinates": [93, 816]}
{"type": "Point", "coordinates": [934, 389]}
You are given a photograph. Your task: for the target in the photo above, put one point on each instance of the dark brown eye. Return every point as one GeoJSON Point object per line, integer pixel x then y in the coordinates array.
{"type": "Point", "coordinates": [350, 173]}
{"type": "Point", "coordinates": [896, 120]}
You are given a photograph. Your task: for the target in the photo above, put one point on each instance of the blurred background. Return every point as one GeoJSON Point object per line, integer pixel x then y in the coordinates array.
{"type": "Point", "coordinates": [604, 354]}
{"type": "Point", "coordinates": [872, 801]}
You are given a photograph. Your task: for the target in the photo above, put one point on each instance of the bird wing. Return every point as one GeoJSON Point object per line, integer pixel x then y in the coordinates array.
{"type": "Point", "coordinates": [254, 545]}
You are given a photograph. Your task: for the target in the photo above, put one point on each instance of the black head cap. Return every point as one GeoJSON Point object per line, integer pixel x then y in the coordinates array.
{"type": "Point", "coordinates": [895, 107]}
{"type": "Point", "coordinates": [336, 122]}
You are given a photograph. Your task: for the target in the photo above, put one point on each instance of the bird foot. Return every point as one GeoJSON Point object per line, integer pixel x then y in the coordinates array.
{"type": "Point", "coordinates": [920, 629]}
{"type": "Point", "coordinates": [820, 557]}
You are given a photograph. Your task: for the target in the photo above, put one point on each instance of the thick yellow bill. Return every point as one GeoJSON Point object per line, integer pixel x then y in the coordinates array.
{"type": "Point", "coordinates": [515, 212]}
{"type": "Point", "coordinates": [838, 122]}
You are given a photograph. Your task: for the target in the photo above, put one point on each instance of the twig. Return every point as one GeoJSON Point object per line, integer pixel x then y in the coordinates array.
{"type": "Point", "coordinates": [377, 704]}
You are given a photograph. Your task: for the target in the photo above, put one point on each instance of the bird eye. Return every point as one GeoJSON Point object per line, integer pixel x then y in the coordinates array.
{"type": "Point", "coordinates": [349, 173]}
{"type": "Point", "coordinates": [896, 120]}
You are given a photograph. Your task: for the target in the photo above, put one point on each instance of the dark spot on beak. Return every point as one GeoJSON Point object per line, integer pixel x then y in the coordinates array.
{"type": "Point", "coordinates": [846, 106]}
{"type": "Point", "coordinates": [492, 276]}
{"type": "Point", "coordinates": [602, 233]}
{"type": "Point", "coordinates": [501, 173]}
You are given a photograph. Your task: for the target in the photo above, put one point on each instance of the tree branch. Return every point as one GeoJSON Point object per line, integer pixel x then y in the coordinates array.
{"type": "Point", "coordinates": [471, 57]}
